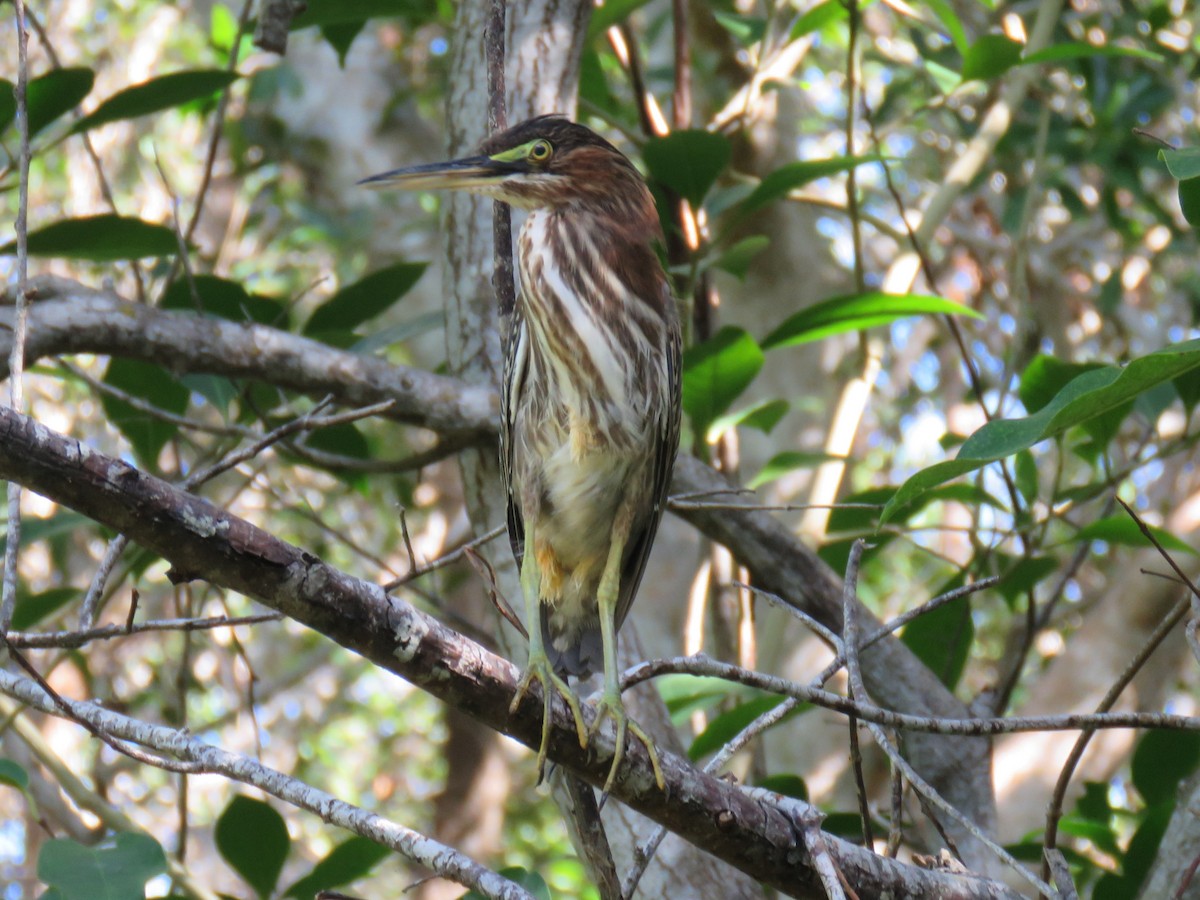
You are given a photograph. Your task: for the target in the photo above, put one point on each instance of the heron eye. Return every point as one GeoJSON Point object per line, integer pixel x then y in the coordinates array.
{"type": "Point", "coordinates": [540, 151]}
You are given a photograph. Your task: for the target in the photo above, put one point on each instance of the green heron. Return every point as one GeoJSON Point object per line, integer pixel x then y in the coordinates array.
{"type": "Point", "coordinates": [591, 396]}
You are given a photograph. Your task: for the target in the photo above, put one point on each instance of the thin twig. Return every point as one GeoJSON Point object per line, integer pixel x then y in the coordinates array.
{"type": "Point", "coordinates": [924, 790]}
{"type": "Point", "coordinates": [70, 640]}
{"type": "Point", "coordinates": [446, 558]}
{"type": "Point", "coordinates": [64, 709]}
{"type": "Point", "coordinates": [857, 690]}
{"type": "Point", "coordinates": [1055, 806]}
{"type": "Point", "coordinates": [447, 861]}
{"type": "Point", "coordinates": [968, 727]}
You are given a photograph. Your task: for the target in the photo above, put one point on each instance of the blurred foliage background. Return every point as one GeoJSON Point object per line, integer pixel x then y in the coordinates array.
{"type": "Point", "coordinates": [1034, 184]}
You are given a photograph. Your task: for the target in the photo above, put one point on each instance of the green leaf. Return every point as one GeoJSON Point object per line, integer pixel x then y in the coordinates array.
{"type": "Point", "coordinates": [796, 175]}
{"type": "Point", "coordinates": [786, 784]}
{"type": "Point", "coordinates": [716, 372]}
{"type": "Point", "coordinates": [8, 104]}
{"type": "Point", "coordinates": [340, 37]}
{"type": "Point", "coordinates": [322, 13]}
{"type": "Point", "coordinates": [216, 389]}
{"type": "Point", "coordinates": [47, 97]}
{"type": "Point", "coordinates": [725, 727]}
{"type": "Point", "coordinates": [252, 837]}
{"type": "Point", "coordinates": [1189, 200]}
{"type": "Point", "coordinates": [854, 312]}
{"type": "Point", "coordinates": [393, 334]}
{"type": "Point", "coordinates": [1183, 164]}
{"type": "Point", "coordinates": [102, 238]}
{"type": "Point", "coordinates": [155, 95]}
{"type": "Point", "coordinates": [736, 260]}
{"type": "Point", "coordinates": [350, 860]}
{"type": "Point", "coordinates": [364, 299]}
{"type": "Point", "coordinates": [531, 881]}
{"type": "Point", "coordinates": [746, 30]}
{"type": "Point", "coordinates": [945, 78]}
{"type": "Point", "coordinates": [688, 161]}
{"type": "Point", "coordinates": [1024, 576]}
{"type": "Point", "coordinates": [1120, 529]}
{"type": "Point", "coordinates": [225, 299]}
{"type": "Point", "coordinates": [954, 27]}
{"type": "Point", "coordinates": [990, 57]}
{"type": "Point", "coordinates": [156, 386]}
{"type": "Point", "coordinates": [1187, 386]}
{"type": "Point", "coordinates": [1087, 396]}
{"type": "Point", "coordinates": [788, 461]}
{"type": "Point", "coordinates": [817, 18]}
{"type": "Point", "coordinates": [1099, 833]}
{"type": "Point", "coordinates": [763, 416]}
{"type": "Point", "coordinates": [222, 28]}
{"type": "Point", "coordinates": [1143, 846]}
{"type": "Point", "coordinates": [1162, 761]}
{"type": "Point", "coordinates": [1081, 50]}
{"type": "Point", "coordinates": [687, 694]}
{"type": "Point", "coordinates": [64, 521]}
{"type": "Point", "coordinates": [117, 869]}
{"type": "Point", "coordinates": [34, 608]}
{"type": "Point", "coordinates": [611, 13]}
{"type": "Point", "coordinates": [942, 638]}
{"type": "Point", "coordinates": [13, 775]}
{"type": "Point", "coordinates": [344, 440]}
{"type": "Point", "coordinates": [1027, 476]}
{"type": "Point", "coordinates": [1045, 376]}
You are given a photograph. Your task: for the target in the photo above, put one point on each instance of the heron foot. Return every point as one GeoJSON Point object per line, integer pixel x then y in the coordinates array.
{"type": "Point", "coordinates": [610, 705]}
{"type": "Point", "coordinates": [539, 670]}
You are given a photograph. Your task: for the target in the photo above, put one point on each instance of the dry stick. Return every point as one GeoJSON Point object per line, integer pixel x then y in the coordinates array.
{"type": "Point", "coordinates": [924, 790]}
{"type": "Point", "coordinates": [307, 422]}
{"type": "Point", "coordinates": [857, 690]}
{"type": "Point", "coordinates": [16, 365]}
{"type": "Point", "coordinates": [64, 710]}
{"type": "Point", "coordinates": [1055, 806]}
{"type": "Point", "coordinates": [71, 640]}
{"type": "Point", "coordinates": [446, 558]}
{"type": "Point", "coordinates": [772, 717]}
{"type": "Point", "coordinates": [1192, 626]}
{"type": "Point", "coordinates": [869, 712]}
{"type": "Point", "coordinates": [1061, 873]}
{"type": "Point", "coordinates": [896, 825]}
{"type": "Point", "coordinates": [84, 797]}
{"type": "Point", "coordinates": [445, 860]}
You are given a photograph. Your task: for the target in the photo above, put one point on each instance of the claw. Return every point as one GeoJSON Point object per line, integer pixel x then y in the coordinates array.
{"type": "Point", "coordinates": [610, 705]}
{"type": "Point", "coordinates": [539, 670]}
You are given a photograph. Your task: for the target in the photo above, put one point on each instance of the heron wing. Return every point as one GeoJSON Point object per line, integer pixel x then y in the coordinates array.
{"type": "Point", "coordinates": [516, 361]}
{"type": "Point", "coordinates": [665, 450]}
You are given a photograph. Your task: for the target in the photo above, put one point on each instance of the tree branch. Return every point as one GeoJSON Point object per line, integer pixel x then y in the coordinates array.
{"type": "Point", "coordinates": [202, 541]}
{"type": "Point", "coordinates": [446, 861]}
{"type": "Point", "coordinates": [69, 317]}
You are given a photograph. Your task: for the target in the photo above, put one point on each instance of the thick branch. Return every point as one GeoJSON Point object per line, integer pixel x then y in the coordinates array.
{"type": "Point", "coordinates": [67, 317]}
{"type": "Point", "coordinates": [201, 541]}
{"type": "Point", "coordinates": [72, 318]}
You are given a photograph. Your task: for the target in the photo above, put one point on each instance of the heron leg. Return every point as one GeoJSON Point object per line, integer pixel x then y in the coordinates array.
{"type": "Point", "coordinates": [538, 667]}
{"type": "Point", "coordinates": [610, 703]}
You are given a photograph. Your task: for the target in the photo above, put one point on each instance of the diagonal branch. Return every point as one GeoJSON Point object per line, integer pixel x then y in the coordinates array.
{"type": "Point", "coordinates": [68, 317]}
{"type": "Point", "coordinates": [446, 861]}
{"type": "Point", "coordinates": [202, 541]}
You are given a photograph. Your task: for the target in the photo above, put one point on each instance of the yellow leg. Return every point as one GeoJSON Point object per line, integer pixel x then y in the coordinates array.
{"type": "Point", "coordinates": [610, 701]}
{"type": "Point", "coordinates": [538, 667]}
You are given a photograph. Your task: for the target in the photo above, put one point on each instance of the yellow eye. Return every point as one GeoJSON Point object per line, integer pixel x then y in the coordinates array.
{"type": "Point", "coordinates": [540, 151]}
